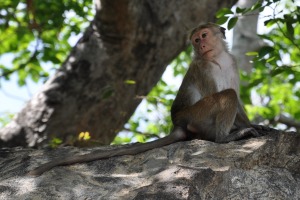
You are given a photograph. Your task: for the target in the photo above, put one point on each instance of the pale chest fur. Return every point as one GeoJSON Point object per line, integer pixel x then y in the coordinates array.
{"type": "Point", "coordinates": [213, 77]}
{"type": "Point", "coordinates": [225, 75]}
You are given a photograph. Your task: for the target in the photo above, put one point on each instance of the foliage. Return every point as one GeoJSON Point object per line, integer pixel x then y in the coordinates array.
{"type": "Point", "coordinates": [38, 32]}
{"type": "Point", "coordinates": [275, 79]}
{"type": "Point", "coordinates": [5, 118]}
{"type": "Point", "coordinates": [55, 142]}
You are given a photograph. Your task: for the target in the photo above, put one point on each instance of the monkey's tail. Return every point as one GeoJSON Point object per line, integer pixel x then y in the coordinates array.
{"type": "Point", "coordinates": [176, 135]}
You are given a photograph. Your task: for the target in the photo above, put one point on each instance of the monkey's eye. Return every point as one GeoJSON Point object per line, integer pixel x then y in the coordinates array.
{"type": "Point", "coordinates": [197, 40]}
{"type": "Point", "coordinates": [204, 35]}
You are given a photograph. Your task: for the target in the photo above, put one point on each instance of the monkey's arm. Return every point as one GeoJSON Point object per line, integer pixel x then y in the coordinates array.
{"type": "Point", "coordinates": [176, 135]}
{"type": "Point", "coordinates": [186, 96]}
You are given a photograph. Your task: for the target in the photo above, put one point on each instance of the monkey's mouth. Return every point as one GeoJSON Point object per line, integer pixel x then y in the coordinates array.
{"type": "Point", "coordinates": [204, 53]}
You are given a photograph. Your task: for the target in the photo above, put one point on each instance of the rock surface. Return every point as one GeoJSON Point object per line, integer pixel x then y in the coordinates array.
{"type": "Point", "coordinates": [259, 168]}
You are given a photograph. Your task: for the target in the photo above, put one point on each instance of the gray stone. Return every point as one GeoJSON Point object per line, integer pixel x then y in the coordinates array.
{"type": "Point", "coordinates": [259, 168]}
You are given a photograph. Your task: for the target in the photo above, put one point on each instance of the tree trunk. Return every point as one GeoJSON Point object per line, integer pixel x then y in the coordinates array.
{"type": "Point", "coordinates": [245, 37]}
{"type": "Point", "coordinates": [127, 40]}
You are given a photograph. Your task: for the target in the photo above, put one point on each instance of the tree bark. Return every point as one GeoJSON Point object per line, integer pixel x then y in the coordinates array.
{"type": "Point", "coordinates": [127, 40]}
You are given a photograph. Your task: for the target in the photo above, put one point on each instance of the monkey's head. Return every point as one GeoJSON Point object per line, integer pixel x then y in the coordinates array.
{"type": "Point", "coordinates": [208, 40]}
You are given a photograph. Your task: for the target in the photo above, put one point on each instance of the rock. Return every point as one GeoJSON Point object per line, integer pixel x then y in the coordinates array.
{"type": "Point", "coordinates": [259, 168]}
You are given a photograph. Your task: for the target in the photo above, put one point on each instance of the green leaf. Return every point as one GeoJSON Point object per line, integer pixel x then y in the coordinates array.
{"type": "Point", "coordinates": [256, 6]}
{"type": "Point", "coordinates": [5, 118]}
{"type": "Point", "coordinates": [222, 20]}
{"type": "Point", "coordinates": [277, 71]}
{"type": "Point", "coordinates": [290, 29]}
{"type": "Point", "coordinates": [223, 11]}
{"type": "Point", "coordinates": [22, 75]}
{"type": "Point", "coordinates": [232, 22]}
{"type": "Point", "coordinates": [121, 140]}
{"type": "Point", "coordinates": [130, 82]}
{"type": "Point", "coordinates": [261, 9]}
{"type": "Point", "coordinates": [134, 125]}
{"type": "Point", "coordinates": [140, 138]}
{"type": "Point", "coordinates": [271, 59]}
{"type": "Point", "coordinates": [269, 22]}
{"type": "Point", "coordinates": [252, 53]}
{"type": "Point", "coordinates": [265, 50]}
{"type": "Point", "coordinates": [55, 142]}
{"type": "Point", "coordinates": [240, 10]}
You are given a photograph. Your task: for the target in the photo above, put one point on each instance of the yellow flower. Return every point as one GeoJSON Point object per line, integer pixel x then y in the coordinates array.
{"type": "Point", "coordinates": [84, 136]}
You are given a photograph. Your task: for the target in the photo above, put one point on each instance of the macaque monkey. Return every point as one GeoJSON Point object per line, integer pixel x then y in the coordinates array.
{"type": "Point", "coordinates": [206, 107]}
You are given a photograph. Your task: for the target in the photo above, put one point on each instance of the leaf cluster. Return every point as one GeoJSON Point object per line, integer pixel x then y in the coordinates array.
{"type": "Point", "coordinates": [36, 33]}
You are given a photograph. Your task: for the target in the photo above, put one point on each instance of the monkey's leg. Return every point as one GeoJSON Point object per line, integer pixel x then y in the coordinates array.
{"type": "Point", "coordinates": [244, 128]}
{"type": "Point", "coordinates": [176, 135]}
{"type": "Point", "coordinates": [212, 117]}
{"type": "Point", "coordinates": [217, 116]}
{"type": "Point", "coordinates": [228, 103]}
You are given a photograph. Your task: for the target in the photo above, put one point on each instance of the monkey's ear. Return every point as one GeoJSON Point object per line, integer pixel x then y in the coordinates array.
{"type": "Point", "coordinates": [223, 31]}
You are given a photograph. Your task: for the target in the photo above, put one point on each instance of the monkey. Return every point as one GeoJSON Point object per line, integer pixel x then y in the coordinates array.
{"type": "Point", "coordinates": [207, 105]}
{"type": "Point", "coordinates": [208, 102]}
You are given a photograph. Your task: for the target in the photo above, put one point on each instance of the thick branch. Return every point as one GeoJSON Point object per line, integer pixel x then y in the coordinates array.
{"type": "Point", "coordinates": [288, 121]}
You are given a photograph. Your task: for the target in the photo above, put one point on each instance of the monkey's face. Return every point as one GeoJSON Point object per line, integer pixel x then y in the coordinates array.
{"type": "Point", "coordinates": [207, 43]}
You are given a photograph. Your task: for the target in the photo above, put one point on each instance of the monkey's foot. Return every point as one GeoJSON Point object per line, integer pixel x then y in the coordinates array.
{"type": "Point", "coordinates": [263, 130]}
{"type": "Point", "coordinates": [241, 134]}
